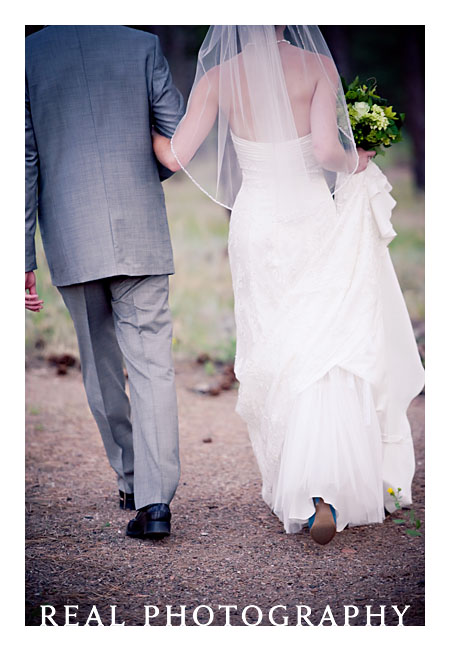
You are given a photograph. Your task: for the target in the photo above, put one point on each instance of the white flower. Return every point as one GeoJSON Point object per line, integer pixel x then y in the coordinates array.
{"type": "Point", "coordinates": [360, 109]}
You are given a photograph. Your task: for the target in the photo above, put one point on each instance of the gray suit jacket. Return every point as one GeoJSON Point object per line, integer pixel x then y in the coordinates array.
{"type": "Point", "coordinates": [92, 94]}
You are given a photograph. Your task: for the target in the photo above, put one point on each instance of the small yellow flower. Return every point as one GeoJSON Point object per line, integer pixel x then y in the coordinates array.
{"type": "Point", "coordinates": [390, 491]}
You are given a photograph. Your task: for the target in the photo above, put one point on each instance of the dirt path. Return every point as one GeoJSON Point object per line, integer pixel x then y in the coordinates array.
{"type": "Point", "coordinates": [226, 547]}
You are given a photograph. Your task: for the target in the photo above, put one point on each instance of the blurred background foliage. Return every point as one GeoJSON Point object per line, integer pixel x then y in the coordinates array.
{"type": "Point", "coordinates": [201, 292]}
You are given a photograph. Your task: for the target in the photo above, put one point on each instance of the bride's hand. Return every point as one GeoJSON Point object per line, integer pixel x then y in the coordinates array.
{"type": "Point", "coordinates": [364, 158]}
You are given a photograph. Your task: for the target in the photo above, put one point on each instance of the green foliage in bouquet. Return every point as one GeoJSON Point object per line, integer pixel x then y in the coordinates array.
{"type": "Point", "coordinates": [375, 125]}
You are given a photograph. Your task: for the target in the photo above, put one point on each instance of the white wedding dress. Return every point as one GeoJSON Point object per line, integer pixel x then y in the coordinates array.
{"type": "Point", "coordinates": [326, 357]}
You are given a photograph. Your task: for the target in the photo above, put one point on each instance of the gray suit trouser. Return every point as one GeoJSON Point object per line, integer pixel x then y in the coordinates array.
{"type": "Point", "coordinates": [129, 316]}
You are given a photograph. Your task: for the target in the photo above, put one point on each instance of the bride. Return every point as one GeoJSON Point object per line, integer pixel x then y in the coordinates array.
{"type": "Point", "coordinates": [326, 357]}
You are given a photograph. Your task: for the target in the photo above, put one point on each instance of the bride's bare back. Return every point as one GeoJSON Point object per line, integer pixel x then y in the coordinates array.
{"type": "Point", "coordinates": [302, 76]}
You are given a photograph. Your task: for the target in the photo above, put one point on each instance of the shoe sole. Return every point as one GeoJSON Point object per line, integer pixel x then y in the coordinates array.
{"type": "Point", "coordinates": [152, 531]}
{"type": "Point", "coordinates": [324, 527]}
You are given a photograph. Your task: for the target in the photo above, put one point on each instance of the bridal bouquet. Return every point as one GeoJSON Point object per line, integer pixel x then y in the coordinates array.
{"type": "Point", "coordinates": [375, 124]}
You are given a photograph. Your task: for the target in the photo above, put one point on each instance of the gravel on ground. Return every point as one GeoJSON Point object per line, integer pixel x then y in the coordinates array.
{"type": "Point", "coordinates": [226, 547]}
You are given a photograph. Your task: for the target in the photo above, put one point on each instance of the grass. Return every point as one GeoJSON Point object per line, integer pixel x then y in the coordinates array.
{"type": "Point", "coordinates": [52, 328]}
{"type": "Point", "coordinates": [201, 295]}
{"type": "Point", "coordinates": [408, 248]}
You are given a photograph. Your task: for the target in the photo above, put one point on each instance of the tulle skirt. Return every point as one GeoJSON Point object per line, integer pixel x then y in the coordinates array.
{"type": "Point", "coordinates": [332, 449]}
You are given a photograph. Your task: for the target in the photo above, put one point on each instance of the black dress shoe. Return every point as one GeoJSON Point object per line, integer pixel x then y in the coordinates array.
{"type": "Point", "coordinates": [152, 521]}
{"type": "Point", "coordinates": [126, 501]}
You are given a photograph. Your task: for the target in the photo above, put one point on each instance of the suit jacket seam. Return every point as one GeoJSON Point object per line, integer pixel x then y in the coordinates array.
{"type": "Point", "coordinates": [98, 148]}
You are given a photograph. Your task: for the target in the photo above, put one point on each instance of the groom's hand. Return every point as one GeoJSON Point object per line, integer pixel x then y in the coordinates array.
{"type": "Point", "coordinates": [32, 300]}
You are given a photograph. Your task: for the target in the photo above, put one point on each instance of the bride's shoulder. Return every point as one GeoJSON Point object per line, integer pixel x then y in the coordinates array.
{"type": "Point", "coordinates": [226, 70]}
{"type": "Point", "coordinates": [220, 74]}
{"type": "Point", "coordinates": [314, 64]}
{"type": "Point", "coordinates": [231, 63]}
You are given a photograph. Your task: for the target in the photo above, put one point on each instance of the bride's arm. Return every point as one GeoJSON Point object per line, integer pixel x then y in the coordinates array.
{"type": "Point", "coordinates": [325, 136]}
{"type": "Point", "coordinates": [161, 147]}
{"type": "Point", "coordinates": [327, 147]}
{"type": "Point", "coordinates": [191, 132]}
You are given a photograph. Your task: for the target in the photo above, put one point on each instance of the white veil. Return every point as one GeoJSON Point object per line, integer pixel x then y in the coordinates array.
{"type": "Point", "coordinates": [265, 84]}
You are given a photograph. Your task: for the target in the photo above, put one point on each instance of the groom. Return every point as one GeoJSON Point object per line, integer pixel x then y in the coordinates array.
{"type": "Point", "coordinates": [93, 94]}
